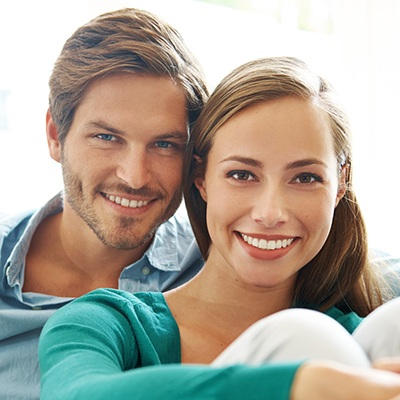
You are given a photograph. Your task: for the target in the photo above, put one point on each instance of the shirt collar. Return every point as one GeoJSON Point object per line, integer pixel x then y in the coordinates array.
{"type": "Point", "coordinates": [16, 262]}
{"type": "Point", "coordinates": [163, 252]}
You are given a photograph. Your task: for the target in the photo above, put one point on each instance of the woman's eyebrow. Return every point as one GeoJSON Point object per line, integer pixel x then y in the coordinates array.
{"type": "Point", "coordinates": [305, 163]}
{"type": "Point", "coordinates": [244, 160]}
{"type": "Point", "coordinates": [256, 163]}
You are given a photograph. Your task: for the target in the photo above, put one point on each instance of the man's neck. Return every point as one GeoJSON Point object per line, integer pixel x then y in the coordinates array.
{"type": "Point", "coordinates": [67, 259]}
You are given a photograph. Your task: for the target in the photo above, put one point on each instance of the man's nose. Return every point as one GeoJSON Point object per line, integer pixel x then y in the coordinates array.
{"type": "Point", "coordinates": [134, 167]}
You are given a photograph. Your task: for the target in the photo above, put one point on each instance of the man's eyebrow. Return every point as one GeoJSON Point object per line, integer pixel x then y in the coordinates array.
{"type": "Point", "coordinates": [181, 135]}
{"type": "Point", "coordinates": [101, 125]}
{"type": "Point", "coordinates": [173, 135]}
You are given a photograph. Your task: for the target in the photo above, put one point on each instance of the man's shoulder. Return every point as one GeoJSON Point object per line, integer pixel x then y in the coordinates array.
{"type": "Point", "coordinates": [181, 214]}
{"type": "Point", "coordinates": [175, 235]}
{"type": "Point", "coordinates": [174, 251]}
{"type": "Point", "coordinates": [13, 225]}
{"type": "Point", "coordinates": [180, 221]}
{"type": "Point", "coordinates": [9, 222]}
{"type": "Point", "coordinates": [12, 229]}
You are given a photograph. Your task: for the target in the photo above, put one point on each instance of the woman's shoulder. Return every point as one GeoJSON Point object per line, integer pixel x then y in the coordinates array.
{"type": "Point", "coordinates": [120, 297]}
{"type": "Point", "coordinates": [115, 301]}
{"type": "Point", "coordinates": [111, 318]}
{"type": "Point", "coordinates": [349, 320]}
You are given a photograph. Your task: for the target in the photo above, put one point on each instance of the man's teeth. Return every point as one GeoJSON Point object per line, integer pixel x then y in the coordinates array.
{"type": "Point", "coordinates": [125, 202]}
{"type": "Point", "coordinates": [267, 244]}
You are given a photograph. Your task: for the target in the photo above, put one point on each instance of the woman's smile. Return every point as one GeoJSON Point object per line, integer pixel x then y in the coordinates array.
{"type": "Point", "coordinates": [267, 244]}
{"type": "Point", "coordinates": [272, 191]}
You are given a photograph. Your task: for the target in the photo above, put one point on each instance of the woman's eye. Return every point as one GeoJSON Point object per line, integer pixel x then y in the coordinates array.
{"type": "Point", "coordinates": [307, 178]}
{"type": "Point", "coordinates": [241, 175]}
{"type": "Point", "coordinates": [106, 137]}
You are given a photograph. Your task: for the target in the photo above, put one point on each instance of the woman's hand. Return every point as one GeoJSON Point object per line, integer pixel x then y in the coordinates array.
{"type": "Point", "coordinates": [388, 364]}
{"type": "Point", "coordinates": [317, 380]}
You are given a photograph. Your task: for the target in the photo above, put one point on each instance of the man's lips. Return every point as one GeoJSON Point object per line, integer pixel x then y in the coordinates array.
{"type": "Point", "coordinates": [124, 202]}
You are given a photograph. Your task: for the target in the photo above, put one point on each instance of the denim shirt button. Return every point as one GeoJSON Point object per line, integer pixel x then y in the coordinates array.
{"type": "Point", "coordinates": [8, 268]}
{"type": "Point", "coordinates": [146, 270]}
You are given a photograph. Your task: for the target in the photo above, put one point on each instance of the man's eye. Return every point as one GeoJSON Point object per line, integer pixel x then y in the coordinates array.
{"type": "Point", "coordinates": [241, 175]}
{"type": "Point", "coordinates": [106, 136]}
{"type": "Point", "coordinates": [163, 144]}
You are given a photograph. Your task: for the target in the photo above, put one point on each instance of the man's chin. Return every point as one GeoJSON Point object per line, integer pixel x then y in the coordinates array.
{"type": "Point", "coordinates": [127, 241]}
{"type": "Point", "coordinates": [127, 233]}
{"type": "Point", "coordinates": [125, 244]}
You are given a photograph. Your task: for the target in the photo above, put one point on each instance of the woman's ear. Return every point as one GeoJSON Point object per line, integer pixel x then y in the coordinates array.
{"type": "Point", "coordinates": [342, 187]}
{"type": "Point", "coordinates": [199, 182]}
{"type": "Point", "coordinates": [53, 142]}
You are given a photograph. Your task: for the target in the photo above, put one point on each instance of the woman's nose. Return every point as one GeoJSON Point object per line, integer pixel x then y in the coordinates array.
{"type": "Point", "coordinates": [270, 208]}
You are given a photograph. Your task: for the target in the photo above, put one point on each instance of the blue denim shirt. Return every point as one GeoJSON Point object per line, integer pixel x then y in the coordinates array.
{"type": "Point", "coordinates": [172, 259]}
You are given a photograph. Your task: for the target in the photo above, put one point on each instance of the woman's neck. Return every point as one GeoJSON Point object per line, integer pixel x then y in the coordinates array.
{"type": "Point", "coordinates": [212, 311]}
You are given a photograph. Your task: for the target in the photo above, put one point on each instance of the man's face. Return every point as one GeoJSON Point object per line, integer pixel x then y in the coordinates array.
{"type": "Point", "coordinates": [122, 158]}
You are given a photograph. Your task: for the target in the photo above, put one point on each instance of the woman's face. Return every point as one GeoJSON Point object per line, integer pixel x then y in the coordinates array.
{"type": "Point", "coordinates": [271, 187]}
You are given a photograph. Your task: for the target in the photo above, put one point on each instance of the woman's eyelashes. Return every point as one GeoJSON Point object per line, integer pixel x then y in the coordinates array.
{"type": "Point", "coordinates": [241, 175]}
{"type": "Point", "coordinates": [307, 178]}
{"type": "Point", "coordinates": [304, 178]}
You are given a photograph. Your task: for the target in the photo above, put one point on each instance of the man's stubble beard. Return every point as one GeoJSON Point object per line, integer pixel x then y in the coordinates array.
{"type": "Point", "coordinates": [125, 235]}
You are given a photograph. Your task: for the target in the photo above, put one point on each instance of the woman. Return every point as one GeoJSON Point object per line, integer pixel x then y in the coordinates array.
{"type": "Point", "coordinates": [286, 278]}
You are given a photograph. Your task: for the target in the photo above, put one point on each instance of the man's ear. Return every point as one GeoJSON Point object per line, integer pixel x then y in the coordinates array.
{"type": "Point", "coordinates": [199, 181]}
{"type": "Point", "coordinates": [342, 187]}
{"type": "Point", "coordinates": [52, 138]}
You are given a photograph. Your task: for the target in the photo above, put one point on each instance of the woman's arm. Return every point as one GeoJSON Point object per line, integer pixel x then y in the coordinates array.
{"type": "Point", "coordinates": [328, 380]}
{"type": "Point", "coordinates": [100, 347]}
{"type": "Point", "coordinates": [105, 345]}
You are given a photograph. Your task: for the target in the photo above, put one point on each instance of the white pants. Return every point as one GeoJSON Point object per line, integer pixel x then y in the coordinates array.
{"type": "Point", "coordinates": [298, 334]}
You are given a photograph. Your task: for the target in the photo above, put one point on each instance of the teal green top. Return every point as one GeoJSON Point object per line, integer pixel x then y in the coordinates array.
{"type": "Point", "coordinates": [112, 344]}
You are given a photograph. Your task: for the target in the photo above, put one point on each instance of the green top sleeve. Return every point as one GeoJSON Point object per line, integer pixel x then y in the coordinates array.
{"type": "Point", "coordinates": [114, 345]}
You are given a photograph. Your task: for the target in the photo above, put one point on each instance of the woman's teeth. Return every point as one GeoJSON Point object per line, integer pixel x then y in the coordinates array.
{"type": "Point", "coordinates": [267, 244]}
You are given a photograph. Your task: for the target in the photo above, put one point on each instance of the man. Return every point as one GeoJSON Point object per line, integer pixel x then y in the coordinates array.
{"type": "Point", "coordinates": [124, 93]}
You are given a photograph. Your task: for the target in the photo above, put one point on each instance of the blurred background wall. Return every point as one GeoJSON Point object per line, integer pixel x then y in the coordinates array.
{"type": "Point", "coordinates": [354, 43]}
